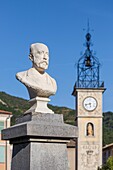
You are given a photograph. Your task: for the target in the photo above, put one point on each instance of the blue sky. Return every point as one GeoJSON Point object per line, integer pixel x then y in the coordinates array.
{"type": "Point", "coordinates": [59, 24]}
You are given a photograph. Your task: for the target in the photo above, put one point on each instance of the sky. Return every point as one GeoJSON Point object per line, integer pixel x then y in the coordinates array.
{"type": "Point", "coordinates": [62, 26]}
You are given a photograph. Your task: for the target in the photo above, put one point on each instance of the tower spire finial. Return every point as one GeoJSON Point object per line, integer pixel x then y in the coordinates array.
{"type": "Point", "coordinates": [88, 36]}
{"type": "Point", "coordinates": [88, 26]}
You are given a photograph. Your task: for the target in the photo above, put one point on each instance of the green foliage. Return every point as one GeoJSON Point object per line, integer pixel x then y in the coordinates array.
{"type": "Point", "coordinates": [110, 162]}
{"type": "Point", "coordinates": [104, 167]}
{"type": "Point", "coordinates": [18, 106]}
{"type": "Point", "coordinates": [108, 165]}
{"type": "Point", "coordinates": [13, 104]}
{"type": "Point", "coordinates": [107, 128]}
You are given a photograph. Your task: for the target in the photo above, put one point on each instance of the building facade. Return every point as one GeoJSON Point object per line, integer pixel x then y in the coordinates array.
{"type": "Point", "coordinates": [5, 148]}
{"type": "Point", "coordinates": [107, 152]}
{"type": "Point", "coordinates": [71, 148]}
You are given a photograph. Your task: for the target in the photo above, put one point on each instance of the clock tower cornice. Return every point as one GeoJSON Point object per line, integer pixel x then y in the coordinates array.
{"type": "Point", "coordinates": [74, 93]}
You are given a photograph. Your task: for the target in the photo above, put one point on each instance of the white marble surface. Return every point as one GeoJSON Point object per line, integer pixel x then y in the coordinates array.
{"type": "Point", "coordinates": [39, 105]}
{"type": "Point", "coordinates": [37, 81]}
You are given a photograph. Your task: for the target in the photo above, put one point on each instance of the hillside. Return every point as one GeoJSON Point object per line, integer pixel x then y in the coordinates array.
{"type": "Point", "coordinates": [18, 106]}
{"type": "Point", "coordinates": [107, 128]}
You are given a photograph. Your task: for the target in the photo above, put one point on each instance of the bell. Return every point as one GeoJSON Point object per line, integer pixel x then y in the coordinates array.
{"type": "Point", "coordinates": [88, 62]}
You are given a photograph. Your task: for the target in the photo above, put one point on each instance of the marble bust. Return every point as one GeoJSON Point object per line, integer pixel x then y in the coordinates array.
{"type": "Point", "coordinates": [39, 83]}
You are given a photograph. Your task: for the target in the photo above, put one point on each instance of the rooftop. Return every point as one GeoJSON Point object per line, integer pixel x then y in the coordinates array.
{"type": "Point", "coordinates": [5, 112]}
{"type": "Point", "coordinates": [108, 146]}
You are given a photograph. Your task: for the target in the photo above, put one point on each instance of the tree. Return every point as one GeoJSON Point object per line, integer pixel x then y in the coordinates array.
{"type": "Point", "coordinates": [110, 162]}
{"type": "Point", "coordinates": [108, 165]}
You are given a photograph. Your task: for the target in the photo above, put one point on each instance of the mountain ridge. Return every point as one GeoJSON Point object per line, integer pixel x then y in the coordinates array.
{"type": "Point", "coordinates": [18, 106]}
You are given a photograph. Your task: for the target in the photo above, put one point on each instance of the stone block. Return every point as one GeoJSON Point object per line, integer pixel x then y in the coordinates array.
{"type": "Point", "coordinates": [40, 125]}
{"type": "Point", "coordinates": [40, 142]}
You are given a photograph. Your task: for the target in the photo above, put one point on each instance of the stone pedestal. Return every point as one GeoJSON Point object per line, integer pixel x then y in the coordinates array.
{"type": "Point", "coordinates": [39, 104]}
{"type": "Point", "coordinates": [40, 142]}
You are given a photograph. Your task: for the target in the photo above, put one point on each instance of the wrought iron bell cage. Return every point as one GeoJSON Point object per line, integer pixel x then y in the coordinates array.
{"type": "Point", "coordinates": [88, 68]}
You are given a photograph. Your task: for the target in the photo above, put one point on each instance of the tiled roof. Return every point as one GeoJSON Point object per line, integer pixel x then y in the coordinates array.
{"type": "Point", "coordinates": [5, 112]}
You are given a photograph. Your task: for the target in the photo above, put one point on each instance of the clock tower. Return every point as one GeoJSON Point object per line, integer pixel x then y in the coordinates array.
{"type": "Point", "coordinates": [88, 91]}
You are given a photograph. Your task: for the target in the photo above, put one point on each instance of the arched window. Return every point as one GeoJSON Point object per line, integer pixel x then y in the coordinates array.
{"type": "Point", "coordinates": [90, 129]}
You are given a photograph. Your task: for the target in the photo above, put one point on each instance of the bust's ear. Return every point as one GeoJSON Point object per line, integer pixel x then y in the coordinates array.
{"type": "Point", "coordinates": [31, 57]}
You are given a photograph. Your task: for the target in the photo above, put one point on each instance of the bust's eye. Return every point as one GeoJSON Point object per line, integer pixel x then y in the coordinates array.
{"type": "Point", "coordinates": [38, 52]}
{"type": "Point", "coordinates": [47, 53]}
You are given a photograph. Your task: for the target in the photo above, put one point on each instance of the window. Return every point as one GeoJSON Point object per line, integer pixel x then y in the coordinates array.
{"type": "Point", "coordinates": [1, 126]}
{"type": "Point", "coordinates": [2, 154]}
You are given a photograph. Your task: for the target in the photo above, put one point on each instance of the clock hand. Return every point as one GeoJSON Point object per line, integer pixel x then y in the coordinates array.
{"type": "Point", "coordinates": [88, 104]}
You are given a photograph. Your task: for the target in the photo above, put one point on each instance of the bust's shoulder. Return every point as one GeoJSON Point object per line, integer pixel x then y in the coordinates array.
{"type": "Point", "coordinates": [22, 75]}
{"type": "Point", "coordinates": [26, 75]}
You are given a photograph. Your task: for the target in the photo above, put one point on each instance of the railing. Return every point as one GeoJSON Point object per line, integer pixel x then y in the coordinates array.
{"type": "Point", "coordinates": [89, 84]}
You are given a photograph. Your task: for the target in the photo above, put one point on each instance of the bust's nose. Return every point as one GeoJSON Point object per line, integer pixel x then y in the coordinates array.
{"type": "Point", "coordinates": [44, 57]}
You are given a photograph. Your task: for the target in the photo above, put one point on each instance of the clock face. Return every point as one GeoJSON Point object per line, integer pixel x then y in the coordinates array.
{"type": "Point", "coordinates": [90, 103]}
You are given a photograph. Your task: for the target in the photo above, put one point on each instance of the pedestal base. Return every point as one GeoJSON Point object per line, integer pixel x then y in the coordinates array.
{"type": "Point", "coordinates": [39, 105]}
{"type": "Point", "coordinates": [39, 156]}
{"type": "Point", "coordinates": [40, 142]}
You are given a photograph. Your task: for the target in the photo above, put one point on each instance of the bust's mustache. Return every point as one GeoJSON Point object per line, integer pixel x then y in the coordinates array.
{"type": "Point", "coordinates": [44, 62]}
